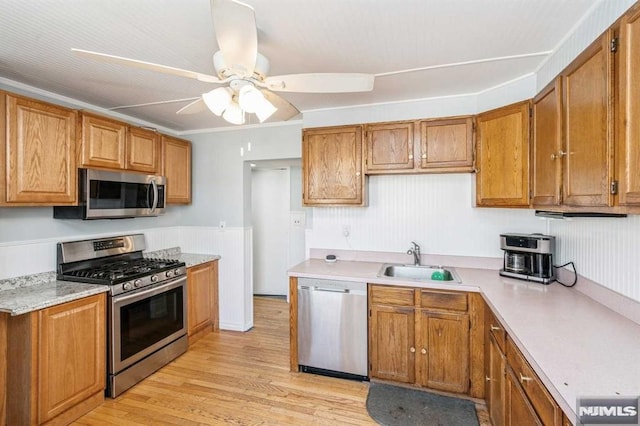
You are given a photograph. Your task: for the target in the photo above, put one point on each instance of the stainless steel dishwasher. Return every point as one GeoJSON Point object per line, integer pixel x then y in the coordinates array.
{"type": "Point", "coordinates": [332, 328]}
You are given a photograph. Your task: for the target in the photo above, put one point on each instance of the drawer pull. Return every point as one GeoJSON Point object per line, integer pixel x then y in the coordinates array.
{"type": "Point", "coordinates": [423, 351]}
{"type": "Point", "coordinates": [524, 378]}
{"type": "Point", "coordinates": [487, 378]}
{"type": "Point", "coordinates": [494, 328]}
{"type": "Point", "coordinates": [412, 349]}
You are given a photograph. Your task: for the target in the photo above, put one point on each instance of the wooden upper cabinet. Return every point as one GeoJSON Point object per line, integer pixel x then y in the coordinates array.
{"type": "Point", "coordinates": [503, 157]}
{"type": "Point", "coordinates": [103, 142]}
{"type": "Point", "coordinates": [176, 167]}
{"type": "Point", "coordinates": [547, 150]}
{"type": "Point", "coordinates": [389, 147]}
{"type": "Point", "coordinates": [112, 144]}
{"type": "Point", "coordinates": [588, 126]}
{"type": "Point", "coordinates": [143, 150]}
{"type": "Point", "coordinates": [38, 162]}
{"type": "Point", "coordinates": [629, 109]}
{"type": "Point", "coordinates": [436, 145]}
{"type": "Point", "coordinates": [446, 145]}
{"type": "Point", "coordinates": [332, 166]}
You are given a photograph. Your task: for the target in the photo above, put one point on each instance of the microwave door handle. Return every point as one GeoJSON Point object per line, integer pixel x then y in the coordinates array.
{"type": "Point", "coordinates": [155, 195]}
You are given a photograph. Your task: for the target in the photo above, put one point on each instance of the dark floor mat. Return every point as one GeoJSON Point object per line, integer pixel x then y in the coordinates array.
{"type": "Point", "coordinates": [394, 405]}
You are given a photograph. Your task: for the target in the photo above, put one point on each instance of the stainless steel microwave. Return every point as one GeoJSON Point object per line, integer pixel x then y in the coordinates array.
{"type": "Point", "coordinates": [111, 195]}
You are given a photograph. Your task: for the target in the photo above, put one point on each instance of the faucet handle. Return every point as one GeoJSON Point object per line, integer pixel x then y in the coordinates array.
{"type": "Point", "coordinates": [415, 245]}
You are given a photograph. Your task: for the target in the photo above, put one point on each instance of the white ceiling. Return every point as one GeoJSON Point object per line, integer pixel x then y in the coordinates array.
{"type": "Point", "coordinates": [448, 47]}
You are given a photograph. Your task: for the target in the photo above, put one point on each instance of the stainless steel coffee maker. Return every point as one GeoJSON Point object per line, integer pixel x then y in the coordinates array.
{"type": "Point", "coordinates": [529, 257]}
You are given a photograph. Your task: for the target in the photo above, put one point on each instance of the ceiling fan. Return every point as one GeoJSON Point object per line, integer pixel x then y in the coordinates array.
{"type": "Point", "coordinates": [242, 71]}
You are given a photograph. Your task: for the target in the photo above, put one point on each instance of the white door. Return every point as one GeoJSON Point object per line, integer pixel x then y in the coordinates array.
{"type": "Point", "coordinates": [270, 218]}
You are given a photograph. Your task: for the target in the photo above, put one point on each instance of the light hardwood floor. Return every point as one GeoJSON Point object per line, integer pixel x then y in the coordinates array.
{"type": "Point", "coordinates": [238, 378]}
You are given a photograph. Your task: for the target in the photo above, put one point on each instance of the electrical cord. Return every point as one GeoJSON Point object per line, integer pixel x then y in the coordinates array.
{"type": "Point", "coordinates": [575, 274]}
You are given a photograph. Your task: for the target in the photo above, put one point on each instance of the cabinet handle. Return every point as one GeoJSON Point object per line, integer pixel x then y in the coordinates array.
{"type": "Point", "coordinates": [410, 157]}
{"type": "Point", "coordinates": [423, 351]}
{"type": "Point", "coordinates": [487, 378]}
{"type": "Point", "coordinates": [494, 328]}
{"type": "Point", "coordinates": [559, 154]}
{"type": "Point", "coordinates": [424, 156]}
{"type": "Point", "coordinates": [412, 349]}
{"type": "Point", "coordinates": [524, 378]}
{"type": "Point", "coordinates": [358, 174]}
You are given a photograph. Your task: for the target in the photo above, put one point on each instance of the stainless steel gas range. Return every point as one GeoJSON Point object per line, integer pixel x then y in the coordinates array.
{"type": "Point", "coordinates": [147, 307]}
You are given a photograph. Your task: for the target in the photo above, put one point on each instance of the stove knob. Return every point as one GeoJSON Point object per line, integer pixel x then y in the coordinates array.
{"type": "Point", "coordinates": [137, 283]}
{"type": "Point", "coordinates": [176, 271]}
{"type": "Point", "coordinates": [154, 278]}
{"type": "Point", "coordinates": [127, 286]}
{"type": "Point", "coordinates": [168, 274]}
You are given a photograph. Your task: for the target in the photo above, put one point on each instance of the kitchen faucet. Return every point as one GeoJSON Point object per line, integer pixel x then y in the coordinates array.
{"type": "Point", "coordinates": [415, 251]}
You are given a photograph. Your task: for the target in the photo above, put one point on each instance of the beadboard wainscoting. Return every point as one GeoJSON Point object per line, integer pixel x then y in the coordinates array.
{"type": "Point", "coordinates": [434, 210]}
{"type": "Point", "coordinates": [233, 244]}
{"type": "Point", "coordinates": [605, 250]}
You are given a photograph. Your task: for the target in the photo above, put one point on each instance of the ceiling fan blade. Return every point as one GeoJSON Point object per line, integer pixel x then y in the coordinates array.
{"type": "Point", "coordinates": [235, 27]}
{"type": "Point", "coordinates": [112, 59]}
{"type": "Point", "coordinates": [321, 83]}
{"type": "Point", "coordinates": [193, 107]}
{"type": "Point", "coordinates": [285, 110]}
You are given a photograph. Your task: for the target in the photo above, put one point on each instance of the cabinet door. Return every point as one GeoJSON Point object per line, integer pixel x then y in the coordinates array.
{"type": "Point", "coordinates": [332, 166]}
{"type": "Point", "coordinates": [176, 166]}
{"type": "Point", "coordinates": [202, 295]}
{"type": "Point", "coordinates": [547, 150]}
{"type": "Point", "coordinates": [71, 359]}
{"type": "Point", "coordinates": [629, 109]}
{"type": "Point", "coordinates": [443, 360]}
{"type": "Point", "coordinates": [518, 410]}
{"type": "Point", "coordinates": [143, 150]}
{"type": "Point", "coordinates": [503, 157]}
{"type": "Point", "coordinates": [389, 147]}
{"type": "Point", "coordinates": [588, 95]}
{"type": "Point", "coordinates": [447, 145]}
{"type": "Point", "coordinates": [40, 163]}
{"type": "Point", "coordinates": [103, 142]}
{"type": "Point", "coordinates": [495, 384]}
{"type": "Point", "coordinates": [392, 343]}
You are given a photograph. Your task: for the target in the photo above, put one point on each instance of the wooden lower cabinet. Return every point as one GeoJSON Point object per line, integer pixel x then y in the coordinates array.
{"type": "Point", "coordinates": [443, 350]}
{"type": "Point", "coordinates": [420, 337]}
{"type": "Point", "coordinates": [391, 337]}
{"type": "Point", "coordinates": [518, 409]}
{"type": "Point", "coordinates": [202, 294]}
{"type": "Point", "coordinates": [56, 357]}
{"type": "Point", "coordinates": [515, 395]}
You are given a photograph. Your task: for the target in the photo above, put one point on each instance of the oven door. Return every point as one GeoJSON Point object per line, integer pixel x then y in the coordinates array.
{"type": "Point", "coordinates": [145, 321]}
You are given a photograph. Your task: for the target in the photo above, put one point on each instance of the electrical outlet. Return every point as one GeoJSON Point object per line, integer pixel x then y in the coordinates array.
{"type": "Point", "coordinates": [297, 219]}
{"type": "Point", "coordinates": [346, 230]}
{"type": "Point", "coordinates": [222, 225]}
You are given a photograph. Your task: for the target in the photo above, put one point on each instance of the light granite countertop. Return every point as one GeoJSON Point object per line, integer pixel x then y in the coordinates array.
{"type": "Point", "coordinates": [29, 293]}
{"type": "Point", "coordinates": [577, 346]}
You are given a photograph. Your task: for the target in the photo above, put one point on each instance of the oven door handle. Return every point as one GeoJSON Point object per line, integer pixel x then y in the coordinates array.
{"type": "Point", "coordinates": [148, 292]}
{"type": "Point", "coordinates": [154, 185]}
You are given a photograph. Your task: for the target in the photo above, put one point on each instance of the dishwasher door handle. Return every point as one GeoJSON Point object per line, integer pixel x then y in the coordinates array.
{"type": "Point", "coordinates": [332, 290]}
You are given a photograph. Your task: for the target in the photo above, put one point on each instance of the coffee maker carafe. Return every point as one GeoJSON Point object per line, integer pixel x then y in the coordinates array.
{"type": "Point", "coordinates": [528, 257]}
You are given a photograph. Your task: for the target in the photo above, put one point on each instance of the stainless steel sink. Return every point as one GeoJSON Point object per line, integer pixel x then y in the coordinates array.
{"type": "Point", "coordinates": [420, 273]}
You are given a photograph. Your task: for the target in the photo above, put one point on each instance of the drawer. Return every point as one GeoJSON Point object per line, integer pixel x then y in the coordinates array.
{"type": "Point", "coordinates": [496, 329]}
{"type": "Point", "coordinates": [442, 299]}
{"type": "Point", "coordinates": [395, 296]}
{"type": "Point", "coordinates": [542, 402]}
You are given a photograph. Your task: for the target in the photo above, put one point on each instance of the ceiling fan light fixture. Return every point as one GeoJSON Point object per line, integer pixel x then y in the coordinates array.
{"type": "Point", "coordinates": [250, 98]}
{"type": "Point", "coordinates": [265, 110]}
{"type": "Point", "coordinates": [234, 114]}
{"type": "Point", "coordinates": [218, 99]}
